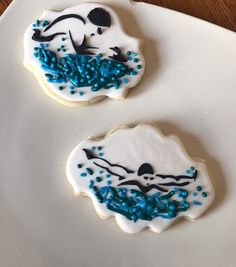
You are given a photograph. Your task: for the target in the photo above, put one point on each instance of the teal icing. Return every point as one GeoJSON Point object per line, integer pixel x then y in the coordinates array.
{"type": "Point", "coordinates": [98, 179]}
{"type": "Point", "coordinates": [196, 203]}
{"type": "Point", "coordinates": [39, 23]}
{"type": "Point", "coordinates": [135, 205]}
{"type": "Point", "coordinates": [89, 171]}
{"type": "Point", "coordinates": [91, 184]}
{"type": "Point", "coordinates": [191, 171]}
{"type": "Point", "coordinates": [199, 188]}
{"type": "Point", "coordinates": [93, 71]}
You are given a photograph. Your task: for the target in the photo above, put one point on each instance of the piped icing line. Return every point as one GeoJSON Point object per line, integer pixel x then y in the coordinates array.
{"type": "Point", "coordinates": [82, 54]}
{"type": "Point", "coordinates": [154, 190]}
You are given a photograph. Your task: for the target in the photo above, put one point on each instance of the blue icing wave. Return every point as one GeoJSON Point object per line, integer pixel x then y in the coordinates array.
{"type": "Point", "coordinates": [135, 205]}
{"type": "Point", "coordinates": [92, 71]}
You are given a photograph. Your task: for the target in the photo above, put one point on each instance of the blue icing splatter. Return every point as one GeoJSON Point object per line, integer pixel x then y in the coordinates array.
{"type": "Point", "coordinates": [135, 205]}
{"type": "Point", "coordinates": [94, 71]}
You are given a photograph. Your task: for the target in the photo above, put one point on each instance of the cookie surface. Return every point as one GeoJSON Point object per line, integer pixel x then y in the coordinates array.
{"type": "Point", "coordinates": [82, 54]}
{"type": "Point", "coordinates": [140, 176]}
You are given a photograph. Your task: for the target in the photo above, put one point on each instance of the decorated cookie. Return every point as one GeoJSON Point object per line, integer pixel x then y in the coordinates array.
{"type": "Point", "coordinates": [140, 176]}
{"type": "Point", "coordinates": [82, 54]}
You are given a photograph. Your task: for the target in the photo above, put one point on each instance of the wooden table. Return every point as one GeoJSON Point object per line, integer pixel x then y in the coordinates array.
{"type": "Point", "coordinates": [221, 12]}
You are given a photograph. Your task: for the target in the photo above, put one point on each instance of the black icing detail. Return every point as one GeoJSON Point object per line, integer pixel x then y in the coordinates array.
{"type": "Point", "coordinates": [83, 48]}
{"type": "Point", "coordinates": [175, 184]}
{"type": "Point", "coordinates": [39, 38]}
{"type": "Point", "coordinates": [100, 17]}
{"type": "Point", "coordinates": [90, 156]}
{"type": "Point", "coordinates": [118, 56]}
{"type": "Point", "coordinates": [99, 31]}
{"type": "Point", "coordinates": [92, 34]}
{"type": "Point", "coordinates": [179, 177]}
{"type": "Point", "coordinates": [144, 189]}
{"type": "Point", "coordinates": [68, 16]}
{"type": "Point", "coordinates": [145, 168]}
{"type": "Point", "coordinates": [109, 171]}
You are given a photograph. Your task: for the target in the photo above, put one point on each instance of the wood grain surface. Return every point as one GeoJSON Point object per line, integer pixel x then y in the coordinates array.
{"type": "Point", "coordinates": [220, 12]}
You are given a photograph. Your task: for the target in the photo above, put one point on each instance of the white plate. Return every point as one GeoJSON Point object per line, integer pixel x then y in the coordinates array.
{"type": "Point", "coordinates": [189, 88]}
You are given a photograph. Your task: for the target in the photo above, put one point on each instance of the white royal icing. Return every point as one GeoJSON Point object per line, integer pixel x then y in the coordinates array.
{"type": "Point", "coordinates": [70, 32]}
{"type": "Point", "coordinates": [140, 155]}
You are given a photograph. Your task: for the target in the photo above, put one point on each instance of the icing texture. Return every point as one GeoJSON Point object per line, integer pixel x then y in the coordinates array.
{"type": "Point", "coordinates": [82, 70]}
{"type": "Point", "coordinates": [139, 206]}
{"type": "Point", "coordinates": [151, 182]}
{"type": "Point", "coordinates": [83, 47]}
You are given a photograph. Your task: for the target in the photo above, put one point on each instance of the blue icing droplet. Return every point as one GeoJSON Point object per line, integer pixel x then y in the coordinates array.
{"type": "Point", "coordinates": [89, 171]}
{"type": "Point", "coordinates": [83, 174]}
{"type": "Point", "coordinates": [91, 184]}
{"type": "Point", "coordinates": [98, 179]}
{"type": "Point", "coordinates": [196, 203]}
{"type": "Point", "coordinates": [100, 154]}
{"type": "Point", "coordinates": [125, 80]}
{"type": "Point", "coordinates": [199, 188]}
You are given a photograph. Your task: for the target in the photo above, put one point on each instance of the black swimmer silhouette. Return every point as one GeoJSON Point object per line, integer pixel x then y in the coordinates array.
{"type": "Point", "coordinates": [145, 172]}
{"type": "Point", "coordinates": [97, 16]}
